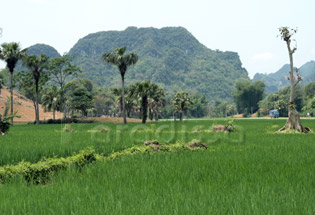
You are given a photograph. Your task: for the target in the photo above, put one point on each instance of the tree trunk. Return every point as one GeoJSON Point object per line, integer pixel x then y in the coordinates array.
{"type": "Point", "coordinates": [181, 116]}
{"type": "Point", "coordinates": [63, 102]}
{"type": "Point", "coordinates": [150, 114]}
{"type": "Point", "coordinates": [37, 106]}
{"type": "Point", "coordinates": [54, 114]}
{"type": "Point", "coordinates": [174, 115]}
{"type": "Point", "coordinates": [144, 104]}
{"type": "Point", "coordinates": [293, 121]}
{"type": "Point", "coordinates": [156, 114]}
{"type": "Point", "coordinates": [11, 91]}
{"type": "Point", "coordinates": [291, 74]}
{"type": "Point", "coordinates": [123, 98]}
{"type": "Point", "coordinates": [140, 112]}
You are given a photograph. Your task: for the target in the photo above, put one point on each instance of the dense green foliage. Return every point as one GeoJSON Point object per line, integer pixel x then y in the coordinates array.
{"type": "Point", "coordinates": [51, 100]}
{"type": "Point", "coordinates": [170, 57]}
{"type": "Point", "coordinates": [278, 80]}
{"type": "Point", "coordinates": [199, 107]}
{"type": "Point", "coordinates": [247, 95]}
{"type": "Point", "coordinates": [280, 101]}
{"type": "Point", "coordinates": [79, 97]}
{"type": "Point", "coordinates": [4, 76]}
{"type": "Point", "coordinates": [256, 177]}
{"type": "Point", "coordinates": [181, 102]}
{"type": "Point", "coordinates": [81, 100]}
{"type": "Point", "coordinates": [149, 97]}
{"type": "Point", "coordinates": [309, 90]}
{"type": "Point", "coordinates": [61, 70]}
{"type": "Point", "coordinates": [222, 109]}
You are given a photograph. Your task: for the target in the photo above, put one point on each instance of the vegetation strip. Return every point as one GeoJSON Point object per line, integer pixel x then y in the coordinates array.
{"type": "Point", "coordinates": [39, 172]}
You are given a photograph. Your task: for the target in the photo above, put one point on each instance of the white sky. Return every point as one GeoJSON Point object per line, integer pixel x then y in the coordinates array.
{"type": "Point", "coordinates": [248, 27]}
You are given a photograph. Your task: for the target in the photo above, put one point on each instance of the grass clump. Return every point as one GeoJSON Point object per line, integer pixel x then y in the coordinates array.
{"type": "Point", "coordinates": [68, 128]}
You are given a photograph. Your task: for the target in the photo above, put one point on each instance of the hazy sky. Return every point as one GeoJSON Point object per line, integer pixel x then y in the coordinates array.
{"type": "Point", "coordinates": [248, 27]}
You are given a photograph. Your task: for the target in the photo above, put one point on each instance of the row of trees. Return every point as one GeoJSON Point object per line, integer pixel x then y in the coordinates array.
{"type": "Point", "coordinates": [160, 104]}
{"type": "Point", "coordinates": [304, 100]}
{"type": "Point", "coordinates": [40, 70]}
{"type": "Point", "coordinates": [149, 95]}
{"type": "Point", "coordinates": [143, 99]}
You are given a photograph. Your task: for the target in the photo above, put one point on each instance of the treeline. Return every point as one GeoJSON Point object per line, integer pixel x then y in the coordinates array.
{"type": "Point", "coordinates": [249, 98]}
{"type": "Point", "coordinates": [51, 82]}
{"type": "Point", "coordinates": [304, 101]}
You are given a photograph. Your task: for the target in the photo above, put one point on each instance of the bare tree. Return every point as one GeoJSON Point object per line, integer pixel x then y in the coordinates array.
{"type": "Point", "coordinates": [293, 121]}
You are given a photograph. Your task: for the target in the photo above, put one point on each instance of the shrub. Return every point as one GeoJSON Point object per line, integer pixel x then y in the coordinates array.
{"type": "Point", "coordinates": [5, 119]}
{"type": "Point", "coordinates": [68, 128]}
{"type": "Point", "coordinates": [230, 126]}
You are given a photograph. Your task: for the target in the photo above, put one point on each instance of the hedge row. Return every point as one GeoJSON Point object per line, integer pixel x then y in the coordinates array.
{"type": "Point", "coordinates": [156, 147]}
{"type": "Point", "coordinates": [40, 172]}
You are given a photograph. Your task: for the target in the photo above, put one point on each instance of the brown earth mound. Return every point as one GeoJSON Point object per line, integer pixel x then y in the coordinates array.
{"type": "Point", "coordinates": [24, 106]}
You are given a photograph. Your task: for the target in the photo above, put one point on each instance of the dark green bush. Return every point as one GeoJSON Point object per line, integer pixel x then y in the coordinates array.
{"type": "Point", "coordinates": [63, 121]}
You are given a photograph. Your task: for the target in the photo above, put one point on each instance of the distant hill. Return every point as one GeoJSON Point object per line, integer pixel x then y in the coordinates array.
{"type": "Point", "coordinates": [38, 49]}
{"type": "Point", "coordinates": [171, 57]}
{"type": "Point", "coordinates": [276, 81]}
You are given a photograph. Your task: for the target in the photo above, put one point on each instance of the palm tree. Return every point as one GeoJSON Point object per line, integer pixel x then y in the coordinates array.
{"type": "Point", "coordinates": [37, 65]}
{"type": "Point", "coordinates": [157, 99]}
{"type": "Point", "coordinates": [181, 101]}
{"type": "Point", "coordinates": [141, 91]}
{"type": "Point", "coordinates": [130, 103]}
{"type": "Point", "coordinates": [122, 61]}
{"type": "Point", "coordinates": [11, 53]}
{"type": "Point", "coordinates": [148, 94]}
{"type": "Point", "coordinates": [51, 100]}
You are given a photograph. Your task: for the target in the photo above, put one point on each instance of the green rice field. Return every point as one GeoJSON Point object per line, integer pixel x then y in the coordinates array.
{"type": "Point", "coordinates": [251, 171]}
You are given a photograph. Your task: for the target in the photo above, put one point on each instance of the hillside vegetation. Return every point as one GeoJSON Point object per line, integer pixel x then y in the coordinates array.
{"type": "Point", "coordinates": [171, 57]}
{"type": "Point", "coordinates": [276, 81]}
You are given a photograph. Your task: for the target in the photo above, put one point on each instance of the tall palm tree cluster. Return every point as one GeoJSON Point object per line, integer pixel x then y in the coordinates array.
{"type": "Point", "coordinates": [143, 98]}
{"type": "Point", "coordinates": [147, 98]}
{"type": "Point", "coordinates": [181, 101]}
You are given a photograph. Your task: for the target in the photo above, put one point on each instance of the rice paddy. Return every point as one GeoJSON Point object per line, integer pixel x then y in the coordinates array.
{"type": "Point", "coordinates": [251, 171]}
